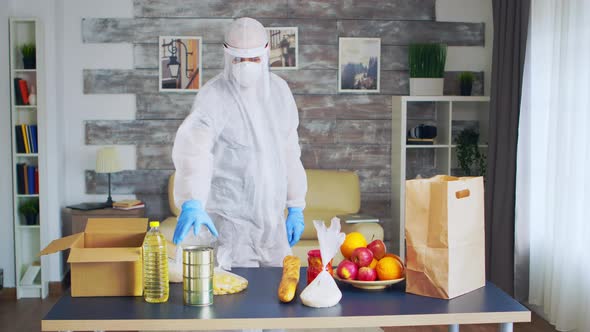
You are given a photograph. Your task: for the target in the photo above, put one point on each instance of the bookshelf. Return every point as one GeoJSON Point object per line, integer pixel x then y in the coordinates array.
{"type": "Point", "coordinates": [28, 157]}
{"type": "Point", "coordinates": [450, 115]}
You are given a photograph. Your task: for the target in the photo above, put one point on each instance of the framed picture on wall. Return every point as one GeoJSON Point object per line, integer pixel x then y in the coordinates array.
{"type": "Point", "coordinates": [180, 67]}
{"type": "Point", "coordinates": [284, 48]}
{"type": "Point", "coordinates": [359, 63]}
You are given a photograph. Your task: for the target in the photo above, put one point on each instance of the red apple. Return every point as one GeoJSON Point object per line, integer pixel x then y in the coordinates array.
{"type": "Point", "coordinates": [347, 270]}
{"type": "Point", "coordinates": [361, 256]}
{"type": "Point", "coordinates": [378, 249]}
{"type": "Point", "coordinates": [367, 274]}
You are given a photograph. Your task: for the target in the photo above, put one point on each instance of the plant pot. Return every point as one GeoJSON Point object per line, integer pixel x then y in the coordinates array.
{"type": "Point", "coordinates": [31, 219]}
{"type": "Point", "coordinates": [426, 86]}
{"type": "Point", "coordinates": [466, 89]}
{"type": "Point", "coordinates": [29, 63]}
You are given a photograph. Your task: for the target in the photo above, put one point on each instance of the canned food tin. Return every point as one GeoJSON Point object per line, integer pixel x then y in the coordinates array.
{"type": "Point", "coordinates": [197, 255]}
{"type": "Point", "coordinates": [197, 284]}
{"type": "Point", "coordinates": [198, 298]}
{"type": "Point", "coordinates": [197, 271]}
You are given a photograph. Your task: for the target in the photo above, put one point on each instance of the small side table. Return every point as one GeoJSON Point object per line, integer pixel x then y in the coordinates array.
{"type": "Point", "coordinates": [78, 218]}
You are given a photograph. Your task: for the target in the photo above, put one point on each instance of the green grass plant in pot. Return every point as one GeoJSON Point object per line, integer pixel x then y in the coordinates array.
{"type": "Point", "coordinates": [471, 160]}
{"type": "Point", "coordinates": [427, 69]}
{"type": "Point", "coordinates": [30, 210]}
{"type": "Point", "coordinates": [29, 53]}
{"type": "Point", "coordinates": [466, 83]}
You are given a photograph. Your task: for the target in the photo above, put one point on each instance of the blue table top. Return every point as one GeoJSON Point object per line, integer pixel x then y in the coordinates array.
{"type": "Point", "coordinates": [260, 301]}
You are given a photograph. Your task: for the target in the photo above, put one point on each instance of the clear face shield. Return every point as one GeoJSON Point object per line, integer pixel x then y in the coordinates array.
{"type": "Point", "coordinates": [249, 68]}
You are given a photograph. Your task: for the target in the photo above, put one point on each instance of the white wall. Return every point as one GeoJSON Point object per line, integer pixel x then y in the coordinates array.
{"type": "Point", "coordinates": [79, 107]}
{"type": "Point", "coordinates": [469, 57]}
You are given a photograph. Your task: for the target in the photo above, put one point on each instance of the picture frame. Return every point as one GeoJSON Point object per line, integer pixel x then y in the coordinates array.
{"type": "Point", "coordinates": [359, 65]}
{"type": "Point", "coordinates": [284, 48]}
{"type": "Point", "coordinates": [180, 63]}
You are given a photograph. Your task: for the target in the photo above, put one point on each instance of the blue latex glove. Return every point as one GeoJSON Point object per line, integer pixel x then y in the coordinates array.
{"type": "Point", "coordinates": [294, 225]}
{"type": "Point", "coordinates": [192, 215]}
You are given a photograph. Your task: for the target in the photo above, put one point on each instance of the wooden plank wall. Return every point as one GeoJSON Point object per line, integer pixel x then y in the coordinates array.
{"type": "Point", "coordinates": [337, 131]}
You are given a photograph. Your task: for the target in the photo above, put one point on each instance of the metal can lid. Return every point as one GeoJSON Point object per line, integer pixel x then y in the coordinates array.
{"type": "Point", "coordinates": [197, 255]}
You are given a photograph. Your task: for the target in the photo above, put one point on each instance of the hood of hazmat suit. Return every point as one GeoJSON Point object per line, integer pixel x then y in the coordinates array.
{"type": "Point", "coordinates": [238, 153]}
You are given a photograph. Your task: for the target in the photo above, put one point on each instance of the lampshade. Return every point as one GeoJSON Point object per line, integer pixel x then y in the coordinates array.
{"type": "Point", "coordinates": [107, 160]}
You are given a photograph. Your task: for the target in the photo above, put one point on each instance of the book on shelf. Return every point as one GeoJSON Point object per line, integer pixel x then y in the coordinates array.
{"type": "Point", "coordinates": [29, 140]}
{"type": "Point", "coordinates": [36, 180]}
{"type": "Point", "coordinates": [31, 179]}
{"type": "Point", "coordinates": [24, 91]}
{"type": "Point", "coordinates": [18, 100]}
{"type": "Point", "coordinates": [20, 179]}
{"type": "Point", "coordinates": [34, 138]}
{"type": "Point", "coordinates": [139, 206]}
{"type": "Point", "coordinates": [20, 143]}
{"type": "Point", "coordinates": [356, 218]}
{"type": "Point", "coordinates": [27, 177]}
{"type": "Point", "coordinates": [26, 138]}
{"type": "Point", "coordinates": [419, 141]}
{"type": "Point", "coordinates": [127, 203]}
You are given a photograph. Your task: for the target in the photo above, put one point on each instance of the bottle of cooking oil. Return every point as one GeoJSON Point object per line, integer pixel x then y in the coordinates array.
{"type": "Point", "coordinates": [155, 266]}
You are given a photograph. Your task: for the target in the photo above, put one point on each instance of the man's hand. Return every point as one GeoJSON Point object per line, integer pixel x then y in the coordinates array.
{"type": "Point", "coordinates": [294, 225]}
{"type": "Point", "coordinates": [192, 215]}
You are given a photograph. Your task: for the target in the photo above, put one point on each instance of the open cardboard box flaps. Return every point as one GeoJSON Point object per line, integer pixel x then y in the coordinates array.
{"type": "Point", "coordinates": [105, 259]}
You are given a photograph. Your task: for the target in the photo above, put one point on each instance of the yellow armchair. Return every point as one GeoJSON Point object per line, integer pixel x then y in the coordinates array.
{"type": "Point", "coordinates": [329, 193]}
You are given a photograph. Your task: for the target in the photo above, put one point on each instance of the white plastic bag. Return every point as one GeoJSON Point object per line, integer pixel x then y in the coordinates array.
{"type": "Point", "coordinates": [323, 292]}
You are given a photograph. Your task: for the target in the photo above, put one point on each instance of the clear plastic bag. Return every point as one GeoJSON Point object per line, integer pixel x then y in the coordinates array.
{"type": "Point", "coordinates": [203, 238]}
{"type": "Point", "coordinates": [323, 292]}
{"type": "Point", "coordinates": [225, 282]}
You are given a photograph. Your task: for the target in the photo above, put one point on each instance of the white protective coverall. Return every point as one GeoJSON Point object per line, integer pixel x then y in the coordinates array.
{"type": "Point", "coordinates": [238, 153]}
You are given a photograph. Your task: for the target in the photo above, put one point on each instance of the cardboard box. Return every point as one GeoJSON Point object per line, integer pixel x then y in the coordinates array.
{"type": "Point", "coordinates": [105, 259]}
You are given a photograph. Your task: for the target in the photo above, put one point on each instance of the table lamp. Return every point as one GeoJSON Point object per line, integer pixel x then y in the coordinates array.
{"type": "Point", "coordinates": [107, 161]}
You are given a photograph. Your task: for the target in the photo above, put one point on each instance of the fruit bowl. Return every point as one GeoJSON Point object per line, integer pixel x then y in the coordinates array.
{"type": "Point", "coordinates": [370, 285]}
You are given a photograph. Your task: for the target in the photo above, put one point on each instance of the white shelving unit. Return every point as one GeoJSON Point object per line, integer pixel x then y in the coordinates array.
{"type": "Point", "coordinates": [450, 114]}
{"type": "Point", "coordinates": [28, 239]}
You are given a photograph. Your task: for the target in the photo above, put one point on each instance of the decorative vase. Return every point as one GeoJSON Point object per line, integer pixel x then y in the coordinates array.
{"type": "Point", "coordinates": [32, 96]}
{"type": "Point", "coordinates": [466, 88]}
{"type": "Point", "coordinates": [31, 219]}
{"type": "Point", "coordinates": [426, 86]}
{"type": "Point", "coordinates": [29, 63]}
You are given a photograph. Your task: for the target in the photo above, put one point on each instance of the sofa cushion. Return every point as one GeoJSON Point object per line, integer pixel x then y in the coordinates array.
{"type": "Point", "coordinates": [173, 208]}
{"type": "Point", "coordinates": [310, 214]}
{"type": "Point", "coordinates": [333, 190]}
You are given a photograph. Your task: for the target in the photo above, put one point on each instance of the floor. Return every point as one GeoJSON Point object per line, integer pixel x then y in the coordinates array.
{"type": "Point", "coordinates": [26, 314]}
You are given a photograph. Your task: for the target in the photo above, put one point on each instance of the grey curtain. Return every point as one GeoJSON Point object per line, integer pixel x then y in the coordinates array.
{"type": "Point", "coordinates": [510, 33]}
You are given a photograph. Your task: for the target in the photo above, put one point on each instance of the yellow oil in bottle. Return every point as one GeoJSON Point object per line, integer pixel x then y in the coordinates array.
{"type": "Point", "coordinates": [155, 266]}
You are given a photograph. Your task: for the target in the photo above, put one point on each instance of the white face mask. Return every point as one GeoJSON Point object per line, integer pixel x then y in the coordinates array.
{"type": "Point", "coordinates": [246, 73]}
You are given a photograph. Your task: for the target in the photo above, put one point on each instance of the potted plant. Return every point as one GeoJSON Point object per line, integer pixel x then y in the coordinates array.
{"type": "Point", "coordinates": [30, 209]}
{"type": "Point", "coordinates": [471, 160]}
{"type": "Point", "coordinates": [427, 69]}
{"type": "Point", "coordinates": [28, 51]}
{"type": "Point", "coordinates": [466, 83]}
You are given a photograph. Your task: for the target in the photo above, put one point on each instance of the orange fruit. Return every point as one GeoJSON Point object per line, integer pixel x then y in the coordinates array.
{"type": "Point", "coordinates": [389, 268]}
{"type": "Point", "coordinates": [399, 259]}
{"type": "Point", "coordinates": [353, 240]}
{"type": "Point", "coordinates": [373, 263]}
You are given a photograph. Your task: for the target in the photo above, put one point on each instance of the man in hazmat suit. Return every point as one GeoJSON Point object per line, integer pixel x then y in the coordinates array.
{"type": "Point", "coordinates": [237, 157]}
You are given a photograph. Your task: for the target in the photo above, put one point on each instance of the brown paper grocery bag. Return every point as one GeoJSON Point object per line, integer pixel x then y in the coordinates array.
{"type": "Point", "coordinates": [445, 240]}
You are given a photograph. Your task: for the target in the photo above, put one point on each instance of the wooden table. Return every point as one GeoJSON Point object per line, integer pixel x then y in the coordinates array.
{"type": "Point", "coordinates": [259, 307]}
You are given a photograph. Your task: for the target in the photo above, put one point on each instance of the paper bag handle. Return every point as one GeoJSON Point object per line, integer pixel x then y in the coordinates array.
{"type": "Point", "coordinates": [462, 193]}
